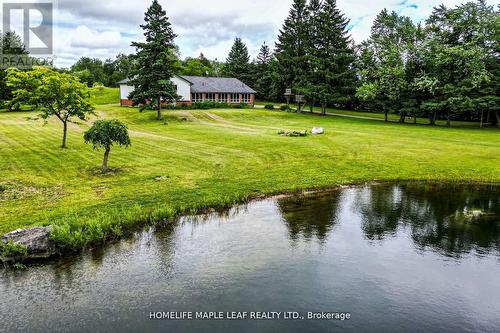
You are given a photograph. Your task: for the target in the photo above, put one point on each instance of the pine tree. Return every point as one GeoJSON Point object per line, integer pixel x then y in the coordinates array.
{"type": "Point", "coordinates": [263, 76]}
{"type": "Point", "coordinates": [265, 56]}
{"type": "Point", "coordinates": [205, 62]}
{"type": "Point", "coordinates": [292, 45]}
{"type": "Point", "coordinates": [238, 62]}
{"type": "Point", "coordinates": [313, 84]}
{"type": "Point", "coordinates": [11, 43]}
{"type": "Point", "coordinates": [331, 57]}
{"type": "Point", "coordinates": [156, 61]}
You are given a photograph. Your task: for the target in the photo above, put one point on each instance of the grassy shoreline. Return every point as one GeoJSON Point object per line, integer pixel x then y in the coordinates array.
{"type": "Point", "coordinates": [197, 160]}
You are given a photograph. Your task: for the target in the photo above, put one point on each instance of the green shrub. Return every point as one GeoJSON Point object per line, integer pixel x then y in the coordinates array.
{"type": "Point", "coordinates": [12, 250]}
{"type": "Point", "coordinates": [269, 106]}
{"type": "Point", "coordinates": [240, 106]}
{"type": "Point", "coordinates": [285, 108]}
{"type": "Point", "coordinates": [206, 106]}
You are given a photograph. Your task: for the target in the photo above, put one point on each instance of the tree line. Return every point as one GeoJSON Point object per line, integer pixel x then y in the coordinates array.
{"type": "Point", "coordinates": [446, 67]}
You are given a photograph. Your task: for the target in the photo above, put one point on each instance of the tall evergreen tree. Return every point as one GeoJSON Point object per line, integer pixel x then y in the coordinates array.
{"type": "Point", "coordinates": [263, 75]}
{"type": "Point", "coordinates": [331, 57]}
{"type": "Point", "coordinates": [156, 61]}
{"type": "Point", "coordinates": [313, 87]}
{"type": "Point", "coordinates": [238, 62]}
{"type": "Point", "coordinates": [292, 46]}
{"type": "Point", "coordinates": [11, 43]}
{"type": "Point", "coordinates": [265, 55]}
{"type": "Point", "coordinates": [204, 60]}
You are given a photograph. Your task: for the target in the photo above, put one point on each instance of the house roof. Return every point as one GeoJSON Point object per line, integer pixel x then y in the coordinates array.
{"type": "Point", "coordinates": [201, 84]}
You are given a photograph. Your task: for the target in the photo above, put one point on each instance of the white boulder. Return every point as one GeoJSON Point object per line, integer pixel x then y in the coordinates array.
{"type": "Point", "coordinates": [318, 130]}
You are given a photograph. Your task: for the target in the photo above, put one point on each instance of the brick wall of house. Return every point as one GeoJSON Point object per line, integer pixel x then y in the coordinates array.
{"type": "Point", "coordinates": [126, 102]}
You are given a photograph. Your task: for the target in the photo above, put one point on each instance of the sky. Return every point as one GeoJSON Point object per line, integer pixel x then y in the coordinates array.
{"type": "Point", "coordinates": [105, 28]}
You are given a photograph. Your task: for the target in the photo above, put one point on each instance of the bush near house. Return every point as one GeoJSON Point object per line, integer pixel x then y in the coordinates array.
{"type": "Point", "coordinates": [206, 106]}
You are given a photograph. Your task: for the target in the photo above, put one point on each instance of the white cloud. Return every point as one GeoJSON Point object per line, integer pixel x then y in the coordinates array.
{"type": "Point", "coordinates": [84, 37]}
{"type": "Point", "coordinates": [105, 28]}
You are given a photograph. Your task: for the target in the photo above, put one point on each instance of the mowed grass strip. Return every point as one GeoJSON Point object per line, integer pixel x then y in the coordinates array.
{"type": "Point", "coordinates": [392, 117]}
{"type": "Point", "coordinates": [199, 159]}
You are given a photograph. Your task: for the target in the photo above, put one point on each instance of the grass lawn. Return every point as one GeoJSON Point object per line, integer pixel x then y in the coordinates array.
{"type": "Point", "coordinates": [199, 159]}
{"type": "Point", "coordinates": [377, 115]}
{"type": "Point", "coordinates": [105, 95]}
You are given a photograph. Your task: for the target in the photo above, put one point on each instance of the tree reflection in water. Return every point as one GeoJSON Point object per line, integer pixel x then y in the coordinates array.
{"type": "Point", "coordinates": [310, 216]}
{"type": "Point", "coordinates": [451, 219]}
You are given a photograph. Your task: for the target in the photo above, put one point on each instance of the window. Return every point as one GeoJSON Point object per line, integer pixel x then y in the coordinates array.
{"type": "Point", "coordinates": [235, 98]}
{"type": "Point", "coordinates": [196, 97]}
{"type": "Point", "coordinates": [210, 97]}
{"type": "Point", "coordinates": [223, 98]}
{"type": "Point", "coordinates": [246, 98]}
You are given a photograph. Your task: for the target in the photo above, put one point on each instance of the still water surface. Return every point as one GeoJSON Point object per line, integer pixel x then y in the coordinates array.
{"type": "Point", "coordinates": [398, 258]}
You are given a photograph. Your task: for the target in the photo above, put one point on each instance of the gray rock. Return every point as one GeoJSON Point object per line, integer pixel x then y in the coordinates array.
{"type": "Point", "coordinates": [292, 133]}
{"type": "Point", "coordinates": [37, 241]}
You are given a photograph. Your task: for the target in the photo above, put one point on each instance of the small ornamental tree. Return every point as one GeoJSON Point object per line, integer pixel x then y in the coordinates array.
{"type": "Point", "coordinates": [105, 133]}
{"type": "Point", "coordinates": [54, 94]}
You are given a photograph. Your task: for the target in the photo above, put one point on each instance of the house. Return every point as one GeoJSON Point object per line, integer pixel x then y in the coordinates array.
{"type": "Point", "coordinates": [193, 89]}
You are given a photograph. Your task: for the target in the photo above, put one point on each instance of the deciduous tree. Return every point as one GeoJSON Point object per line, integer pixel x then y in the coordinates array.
{"type": "Point", "coordinates": [106, 133]}
{"type": "Point", "coordinates": [10, 44]}
{"type": "Point", "coordinates": [59, 95]}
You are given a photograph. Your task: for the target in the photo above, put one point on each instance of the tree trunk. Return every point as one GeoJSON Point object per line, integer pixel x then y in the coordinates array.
{"type": "Point", "coordinates": [65, 132]}
{"type": "Point", "coordinates": [481, 123]}
{"type": "Point", "coordinates": [386, 116]}
{"type": "Point", "coordinates": [311, 106]}
{"type": "Point", "coordinates": [402, 117]}
{"type": "Point", "coordinates": [105, 161]}
{"type": "Point", "coordinates": [448, 119]}
{"type": "Point", "coordinates": [497, 113]}
{"type": "Point", "coordinates": [415, 118]}
{"type": "Point", "coordinates": [158, 115]}
{"type": "Point", "coordinates": [432, 118]}
{"type": "Point", "coordinates": [323, 108]}
{"type": "Point", "coordinates": [488, 117]}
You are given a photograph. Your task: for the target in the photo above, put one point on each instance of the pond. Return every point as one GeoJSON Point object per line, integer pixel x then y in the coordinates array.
{"type": "Point", "coordinates": [397, 258]}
